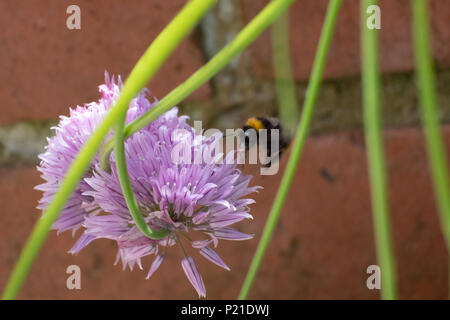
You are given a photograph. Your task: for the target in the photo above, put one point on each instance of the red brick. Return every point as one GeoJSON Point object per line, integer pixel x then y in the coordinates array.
{"type": "Point", "coordinates": [47, 68]}
{"type": "Point", "coordinates": [321, 247]}
{"type": "Point", "coordinates": [324, 241]}
{"type": "Point", "coordinates": [306, 18]}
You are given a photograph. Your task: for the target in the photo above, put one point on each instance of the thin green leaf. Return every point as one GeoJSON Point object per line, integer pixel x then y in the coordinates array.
{"type": "Point", "coordinates": [375, 153]}
{"type": "Point", "coordinates": [302, 132]}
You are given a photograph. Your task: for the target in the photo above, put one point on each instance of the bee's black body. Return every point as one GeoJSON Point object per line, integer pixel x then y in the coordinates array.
{"type": "Point", "coordinates": [258, 123]}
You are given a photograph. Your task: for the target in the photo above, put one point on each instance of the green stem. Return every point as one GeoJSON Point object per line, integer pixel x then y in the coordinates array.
{"type": "Point", "coordinates": [124, 179]}
{"type": "Point", "coordinates": [144, 69]}
{"type": "Point", "coordinates": [287, 98]}
{"type": "Point", "coordinates": [271, 12]}
{"type": "Point", "coordinates": [430, 120]}
{"type": "Point", "coordinates": [375, 153]}
{"type": "Point", "coordinates": [157, 53]}
{"type": "Point", "coordinates": [302, 131]}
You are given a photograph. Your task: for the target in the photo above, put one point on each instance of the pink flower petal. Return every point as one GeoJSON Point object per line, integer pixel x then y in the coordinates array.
{"type": "Point", "coordinates": [212, 256]}
{"type": "Point", "coordinates": [199, 244]}
{"type": "Point", "coordinates": [194, 277]}
{"type": "Point", "coordinates": [155, 265]}
{"type": "Point", "coordinates": [232, 234]}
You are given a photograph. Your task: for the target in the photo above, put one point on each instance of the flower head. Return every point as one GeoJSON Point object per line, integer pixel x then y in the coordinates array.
{"type": "Point", "coordinates": [200, 200]}
{"type": "Point", "coordinates": [70, 135]}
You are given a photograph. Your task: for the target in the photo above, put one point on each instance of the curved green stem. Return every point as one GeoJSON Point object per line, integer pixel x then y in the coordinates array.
{"type": "Point", "coordinates": [144, 69]}
{"type": "Point", "coordinates": [299, 141]}
{"type": "Point", "coordinates": [430, 121]}
{"type": "Point", "coordinates": [122, 172]}
{"type": "Point", "coordinates": [287, 98]}
{"type": "Point", "coordinates": [157, 53]}
{"type": "Point", "coordinates": [375, 153]}
{"type": "Point", "coordinates": [271, 12]}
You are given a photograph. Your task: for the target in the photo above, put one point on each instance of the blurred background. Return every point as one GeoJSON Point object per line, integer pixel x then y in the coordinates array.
{"type": "Point", "coordinates": [324, 241]}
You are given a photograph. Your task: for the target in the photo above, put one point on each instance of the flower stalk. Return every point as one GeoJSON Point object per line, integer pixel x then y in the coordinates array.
{"type": "Point", "coordinates": [146, 67]}
{"type": "Point", "coordinates": [430, 120]}
{"type": "Point", "coordinates": [375, 153]}
{"type": "Point", "coordinates": [299, 141]}
{"type": "Point", "coordinates": [285, 86]}
{"type": "Point", "coordinates": [141, 74]}
{"type": "Point", "coordinates": [258, 24]}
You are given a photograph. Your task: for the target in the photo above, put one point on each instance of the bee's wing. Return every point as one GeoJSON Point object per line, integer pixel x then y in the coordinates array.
{"type": "Point", "coordinates": [275, 122]}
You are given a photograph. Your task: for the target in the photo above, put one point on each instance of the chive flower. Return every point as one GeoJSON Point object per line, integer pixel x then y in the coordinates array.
{"type": "Point", "coordinates": [196, 202]}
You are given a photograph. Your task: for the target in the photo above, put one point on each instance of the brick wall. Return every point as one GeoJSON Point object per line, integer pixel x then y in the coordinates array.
{"type": "Point", "coordinates": [324, 241]}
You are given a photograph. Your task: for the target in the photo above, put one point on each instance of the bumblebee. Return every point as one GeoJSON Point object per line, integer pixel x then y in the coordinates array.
{"type": "Point", "coordinates": [258, 123]}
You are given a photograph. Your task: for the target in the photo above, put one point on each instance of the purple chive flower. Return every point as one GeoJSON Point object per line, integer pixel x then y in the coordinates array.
{"type": "Point", "coordinates": [70, 134]}
{"type": "Point", "coordinates": [203, 198]}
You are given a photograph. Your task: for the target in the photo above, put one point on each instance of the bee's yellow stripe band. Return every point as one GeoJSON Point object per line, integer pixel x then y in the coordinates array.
{"type": "Point", "coordinates": [255, 124]}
